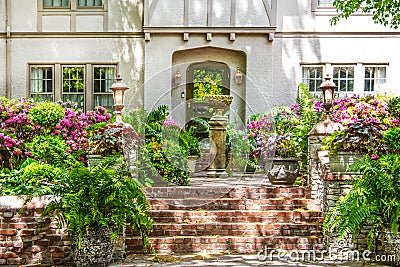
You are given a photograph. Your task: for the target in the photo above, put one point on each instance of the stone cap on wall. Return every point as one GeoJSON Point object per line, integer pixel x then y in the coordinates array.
{"type": "Point", "coordinates": [325, 127]}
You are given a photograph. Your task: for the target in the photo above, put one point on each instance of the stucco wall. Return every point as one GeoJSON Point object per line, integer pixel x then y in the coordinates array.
{"type": "Point", "coordinates": [128, 52]}
{"type": "Point", "coordinates": [24, 16]}
{"type": "Point", "coordinates": [2, 67]}
{"type": "Point", "coordinates": [258, 67]}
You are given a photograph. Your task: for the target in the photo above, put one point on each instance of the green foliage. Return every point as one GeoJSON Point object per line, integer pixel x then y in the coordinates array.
{"type": "Point", "coordinates": [101, 197]}
{"type": "Point", "coordinates": [30, 179]}
{"type": "Point", "coordinates": [392, 139]}
{"type": "Point", "coordinates": [393, 107]}
{"type": "Point", "coordinates": [383, 12]}
{"type": "Point", "coordinates": [206, 83]}
{"type": "Point", "coordinates": [188, 142]}
{"type": "Point", "coordinates": [137, 119]}
{"type": "Point", "coordinates": [37, 173]}
{"type": "Point", "coordinates": [373, 200]}
{"type": "Point", "coordinates": [48, 148]}
{"type": "Point", "coordinates": [46, 114]}
{"type": "Point", "coordinates": [359, 137]}
{"type": "Point", "coordinates": [238, 147]}
{"type": "Point", "coordinates": [106, 140]}
{"type": "Point", "coordinates": [165, 149]}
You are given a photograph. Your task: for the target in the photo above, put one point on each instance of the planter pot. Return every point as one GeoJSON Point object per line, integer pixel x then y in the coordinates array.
{"type": "Point", "coordinates": [283, 171]}
{"type": "Point", "coordinates": [96, 248]}
{"type": "Point", "coordinates": [340, 162]}
{"type": "Point", "coordinates": [391, 246]}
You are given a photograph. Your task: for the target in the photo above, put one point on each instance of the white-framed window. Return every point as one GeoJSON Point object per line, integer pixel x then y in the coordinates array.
{"type": "Point", "coordinates": [87, 85]}
{"type": "Point", "coordinates": [325, 2]}
{"type": "Point", "coordinates": [73, 88]}
{"type": "Point", "coordinates": [374, 79]}
{"type": "Point", "coordinates": [312, 76]}
{"type": "Point", "coordinates": [343, 77]}
{"type": "Point", "coordinates": [71, 4]}
{"type": "Point", "coordinates": [42, 83]}
{"type": "Point", "coordinates": [103, 78]}
{"type": "Point", "coordinates": [56, 3]}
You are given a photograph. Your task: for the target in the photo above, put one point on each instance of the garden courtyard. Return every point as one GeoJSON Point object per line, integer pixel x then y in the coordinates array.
{"type": "Point", "coordinates": [91, 188]}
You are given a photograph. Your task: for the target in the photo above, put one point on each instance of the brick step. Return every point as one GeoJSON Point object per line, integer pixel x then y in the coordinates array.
{"type": "Point", "coordinates": [236, 216]}
{"type": "Point", "coordinates": [234, 204]}
{"type": "Point", "coordinates": [215, 244]}
{"type": "Point", "coordinates": [236, 229]}
{"type": "Point", "coordinates": [185, 192]}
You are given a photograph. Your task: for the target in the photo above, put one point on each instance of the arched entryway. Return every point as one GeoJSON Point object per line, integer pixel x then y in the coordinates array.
{"type": "Point", "coordinates": [204, 66]}
{"type": "Point", "coordinates": [203, 78]}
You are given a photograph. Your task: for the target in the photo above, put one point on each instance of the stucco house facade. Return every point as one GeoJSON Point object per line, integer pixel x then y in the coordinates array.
{"type": "Point", "coordinates": [258, 51]}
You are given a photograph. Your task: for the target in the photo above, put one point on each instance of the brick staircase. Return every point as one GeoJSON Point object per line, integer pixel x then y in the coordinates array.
{"type": "Point", "coordinates": [239, 220]}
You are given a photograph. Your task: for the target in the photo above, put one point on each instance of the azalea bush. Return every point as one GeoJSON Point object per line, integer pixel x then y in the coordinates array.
{"type": "Point", "coordinates": [21, 120]}
{"type": "Point", "coordinates": [365, 119]}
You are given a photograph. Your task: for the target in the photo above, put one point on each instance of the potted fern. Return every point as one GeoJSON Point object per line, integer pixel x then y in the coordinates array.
{"type": "Point", "coordinates": [94, 204]}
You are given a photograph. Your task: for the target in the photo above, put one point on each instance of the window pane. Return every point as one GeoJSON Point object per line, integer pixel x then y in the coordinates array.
{"type": "Point", "coordinates": [343, 77]}
{"type": "Point", "coordinates": [84, 3]}
{"type": "Point", "coordinates": [41, 82]}
{"type": "Point", "coordinates": [56, 3]}
{"type": "Point", "coordinates": [103, 78]}
{"type": "Point", "coordinates": [75, 99]}
{"type": "Point", "coordinates": [325, 2]}
{"type": "Point", "coordinates": [73, 79]}
{"type": "Point", "coordinates": [374, 79]}
{"type": "Point", "coordinates": [312, 77]}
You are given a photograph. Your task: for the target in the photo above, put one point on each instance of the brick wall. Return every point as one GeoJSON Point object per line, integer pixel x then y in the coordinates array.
{"type": "Point", "coordinates": [28, 238]}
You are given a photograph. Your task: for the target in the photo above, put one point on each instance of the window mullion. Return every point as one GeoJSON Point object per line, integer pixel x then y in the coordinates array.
{"type": "Point", "coordinates": [89, 87]}
{"type": "Point", "coordinates": [57, 82]}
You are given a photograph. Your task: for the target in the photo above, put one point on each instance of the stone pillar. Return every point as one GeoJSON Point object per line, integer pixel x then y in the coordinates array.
{"type": "Point", "coordinates": [218, 123]}
{"type": "Point", "coordinates": [315, 137]}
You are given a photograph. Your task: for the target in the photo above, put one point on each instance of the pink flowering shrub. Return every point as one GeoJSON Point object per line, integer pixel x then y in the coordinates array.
{"type": "Point", "coordinates": [18, 129]}
{"type": "Point", "coordinates": [370, 109]}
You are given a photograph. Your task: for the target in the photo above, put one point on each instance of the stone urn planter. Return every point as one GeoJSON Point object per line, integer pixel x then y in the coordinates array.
{"type": "Point", "coordinates": [94, 250]}
{"type": "Point", "coordinates": [340, 162]}
{"type": "Point", "coordinates": [283, 171]}
{"type": "Point", "coordinates": [391, 247]}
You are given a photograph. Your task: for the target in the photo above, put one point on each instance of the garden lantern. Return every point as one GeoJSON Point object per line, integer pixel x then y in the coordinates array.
{"type": "Point", "coordinates": [178, 78]}
{"type": "Point", "coordinates": [238, 77]}
{"type": "Point", "coordinates": [328, 90]}
{"type": "Point", "coordinates": [118, 89]}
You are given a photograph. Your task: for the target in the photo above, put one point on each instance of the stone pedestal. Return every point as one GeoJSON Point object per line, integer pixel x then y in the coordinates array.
{"type": "Point", "coordinates": [218, 123]}
{"type": "Point", "coordinates": [218, 147]}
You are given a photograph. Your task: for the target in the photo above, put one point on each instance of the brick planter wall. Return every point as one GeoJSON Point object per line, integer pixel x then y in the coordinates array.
{"type": "Point", "coordinates": [26, 237]}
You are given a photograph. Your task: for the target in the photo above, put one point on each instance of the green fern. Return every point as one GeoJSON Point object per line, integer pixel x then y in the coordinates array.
{"type": "Point", "coordinates": [374, 200]}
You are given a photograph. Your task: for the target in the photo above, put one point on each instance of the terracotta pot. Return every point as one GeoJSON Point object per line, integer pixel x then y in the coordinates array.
{"type": "Point", "coordinates": [283, 171]}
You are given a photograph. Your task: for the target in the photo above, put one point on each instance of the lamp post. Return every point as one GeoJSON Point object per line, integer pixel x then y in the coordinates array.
{"type": "Point", "coordinates": [328, 91]}
{"type": "Point", "coordinates": [118, 89]}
